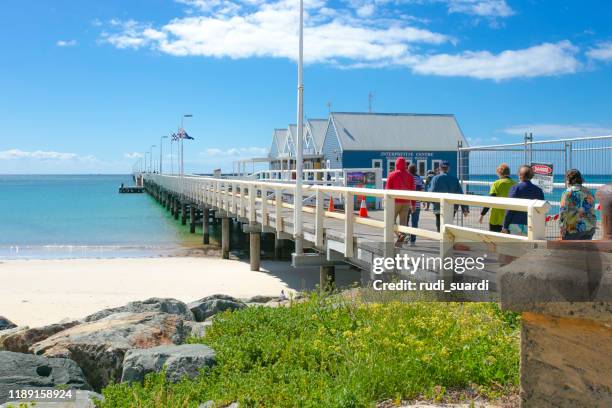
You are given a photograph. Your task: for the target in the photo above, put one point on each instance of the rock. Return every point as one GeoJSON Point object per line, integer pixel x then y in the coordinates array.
{"type": "Point", "coordinates": [83, 399]}
{"type": "Point", "coordinates": [179, 361]}
{"type": "Point", "coordinates": [9, 332]}
{"type": "Point", "coordinates": [6, 323]}
{"type": "Point", "coordinates": [278, 303]}
{"type": "Point", "coordinates": [211, 305]}
{"type": "Point", "coordinates": [99, 347]}
{"type": "Point", "coordinates": [198, 329]}
{"type": "Point", "coordinates": [22, 340]}
{"type": "Point", "coordinates": [18, 370]}
{"type": "Point", "coordinates": [211, 404]}
{"type": "Point", "coordinates": [163, 305]}
{"type": "Point", "coordinates": [261, 299]}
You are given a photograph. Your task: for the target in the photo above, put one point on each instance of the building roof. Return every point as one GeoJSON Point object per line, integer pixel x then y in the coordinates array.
{"type": "Point", "coordinates": [318, 128]}
{"type": "Point", "coordinates": [279, 138]}
{"type": "Point", "coordinates": [291, 140]}
{"type": "Point", "coordinates": [397, 131]}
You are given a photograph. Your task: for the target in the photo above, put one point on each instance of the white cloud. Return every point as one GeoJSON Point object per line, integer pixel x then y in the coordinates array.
{"type": "Point", "coordinates": [16, 154]}
{"type": "Point", "coordinates": [359, 38]}
{"type": "Point", "coordinates": [541, 60]}
{"type": "Point", "coordinates": [481, 8]}
{"type": "Point", "coordinates": [132, 155]}
{"type": "Point", "coordinates": [254, 29]}
{"type": "Point", "coordinates": [602, 51]}
{"type": "Point", "coordinates": [66, 43]}
{"type": "Point", "coordinates": [560, 130]}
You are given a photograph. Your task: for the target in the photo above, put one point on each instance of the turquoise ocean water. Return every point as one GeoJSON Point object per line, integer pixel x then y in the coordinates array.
{"type": "Point", "coordinates": [82, 216]}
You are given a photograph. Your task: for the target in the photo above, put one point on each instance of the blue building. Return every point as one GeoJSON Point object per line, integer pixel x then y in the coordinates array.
{"type": "Point", "coordinates": [367, 140]}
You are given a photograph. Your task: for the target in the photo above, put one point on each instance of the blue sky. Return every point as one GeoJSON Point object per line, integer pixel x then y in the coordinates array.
{"type": "Point", "coordinates": [87, 86]}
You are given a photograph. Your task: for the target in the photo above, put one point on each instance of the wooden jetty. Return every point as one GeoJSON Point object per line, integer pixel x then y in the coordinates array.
{"type": "Point", "coordinates": [131, 190]}
{"type": "Point", "coordinates": [331, 238]}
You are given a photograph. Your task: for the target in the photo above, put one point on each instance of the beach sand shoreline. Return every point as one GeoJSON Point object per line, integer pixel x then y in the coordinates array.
{"type": "Point", "coordinates": [40, 292]}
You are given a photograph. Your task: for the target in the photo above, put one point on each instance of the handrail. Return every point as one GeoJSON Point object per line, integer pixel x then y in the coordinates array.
{"type": "Point", "coordinates": [250, 200]}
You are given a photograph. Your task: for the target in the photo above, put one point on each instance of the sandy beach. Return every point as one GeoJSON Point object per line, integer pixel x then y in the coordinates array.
{"type": "Point", "coordinates": [39, 292]}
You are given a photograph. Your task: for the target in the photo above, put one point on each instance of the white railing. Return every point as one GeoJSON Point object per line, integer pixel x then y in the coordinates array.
{"type": "Point", "coordinates": [331, 177]}
{"type": "Point", "coordinates": [555, 185]}
{"type": "Point", "coordinates": [250, 200]}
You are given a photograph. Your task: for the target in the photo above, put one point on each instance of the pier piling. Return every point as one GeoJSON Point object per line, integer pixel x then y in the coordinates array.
{"type": "Point", "coordinates": [183, 214]}
{"type": "Point", "coordinates": [278, 248]}
{"type": "Point", "coordinates": [225, 237]}
{"type": "Point", "coordinates": [327, 277]}
{"type": "Point", "coordinates": [206, 226]}
{"type": "Point", "coordinates": [192, 219]}
{"type": "Point", "coordinates": [255, 250]}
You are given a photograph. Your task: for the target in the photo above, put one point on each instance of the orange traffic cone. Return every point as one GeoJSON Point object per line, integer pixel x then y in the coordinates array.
{"type": "Point", "coordinates": [331, 204]}
{"type": "Point", "coordinates": [363, 210]}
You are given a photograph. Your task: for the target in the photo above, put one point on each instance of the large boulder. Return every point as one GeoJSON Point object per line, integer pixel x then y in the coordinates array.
{"type": "Point", "coordinates": [179, 361]}
{"type": "Point", "coordinates": [18, 370]}
{"type": "Point", "coordinates": [22, 340]}
{"type": "Point", "coordinates": [210, 305]}
{"type": "Point", "coordinates": [82, 399]}
{"type": "Point", "coordinates": [162, 305]}
{"type": "Point", "coordinates": [6, 323]}
{"type": "Point", "coordinates": [4, 334]}
{"type": "Point", "coordinates": [198, 329]}
{"type": "Point", "coordinates": [99, 347]}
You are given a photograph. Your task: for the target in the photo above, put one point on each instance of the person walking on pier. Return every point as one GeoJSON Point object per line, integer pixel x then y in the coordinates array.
{"type": "Point", "coordinates": [446, 183]}
{"type": "Point", "coordinates": [414, 215]}
{"type": "Point", "coordinates": [577, 217]}
{"type": "Point", "coordinates": [430, 175]}
{"type": "Point", "coordinates": [515, 222]}
{"type": "Point", "coordinates": [500, 188]}
{"type": "Point", "coordinates": [400, 179]}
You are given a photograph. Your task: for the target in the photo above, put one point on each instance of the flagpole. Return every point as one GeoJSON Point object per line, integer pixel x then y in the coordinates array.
{"type": "Point", "coordinates": [299, 247]}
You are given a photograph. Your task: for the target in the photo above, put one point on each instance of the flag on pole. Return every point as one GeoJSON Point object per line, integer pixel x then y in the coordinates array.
{"type": "Point", "coordinates": [175, 137]}
{"type": "Point", "coordinates": [183, 135]}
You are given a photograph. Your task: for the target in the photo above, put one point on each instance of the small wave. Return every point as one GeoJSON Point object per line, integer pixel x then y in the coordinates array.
{"type": "Point", "coordinates": [73, 251]}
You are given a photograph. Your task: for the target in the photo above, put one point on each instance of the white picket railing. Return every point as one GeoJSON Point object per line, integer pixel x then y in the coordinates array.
{"type": "Point", "coordinates": [254, 201]}
{"type": "Point", "coordinates": [333, 177]}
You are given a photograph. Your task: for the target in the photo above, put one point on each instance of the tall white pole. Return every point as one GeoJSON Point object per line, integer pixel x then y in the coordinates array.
{"type": "Point", "coordinates": [171, 158]}
{"type": "Point", "coordinates": [299, 247]}
{"type": "Point", "coordinates": [161, 148]}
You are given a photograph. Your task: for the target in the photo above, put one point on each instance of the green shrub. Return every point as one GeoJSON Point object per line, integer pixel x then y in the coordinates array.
{"type": "Point", "coordinates": [333, 353]}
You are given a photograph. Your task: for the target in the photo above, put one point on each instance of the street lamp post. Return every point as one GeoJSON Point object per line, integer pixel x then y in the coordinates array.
{"type": "Point", "coordinates": [151, 158]}
{"type": "Point", "coordinates": [299, 247]}
{"type": "Point", "coordinates": [161, 149]}
{"type": "Point", "coordinates": [182, 168]}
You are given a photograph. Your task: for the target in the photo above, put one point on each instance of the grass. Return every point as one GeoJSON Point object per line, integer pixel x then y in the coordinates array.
{"type": "Point", "coordinates": [327, 352]}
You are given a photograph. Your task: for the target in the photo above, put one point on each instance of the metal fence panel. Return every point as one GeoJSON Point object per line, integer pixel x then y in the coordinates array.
{"type": "Point", "coordinates": [591, 155]}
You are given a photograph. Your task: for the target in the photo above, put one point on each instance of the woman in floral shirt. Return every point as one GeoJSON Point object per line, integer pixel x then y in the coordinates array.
{"type": "Point", "coordinates": [577, 213]}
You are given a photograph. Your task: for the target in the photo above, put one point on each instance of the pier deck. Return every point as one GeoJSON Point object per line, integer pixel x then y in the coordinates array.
{"type": "Point", "coordinates": [333, 237]}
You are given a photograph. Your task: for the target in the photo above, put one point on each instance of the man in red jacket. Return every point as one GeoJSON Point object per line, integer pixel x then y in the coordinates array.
{"type": "Point", "coordinates": [400, 179]}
